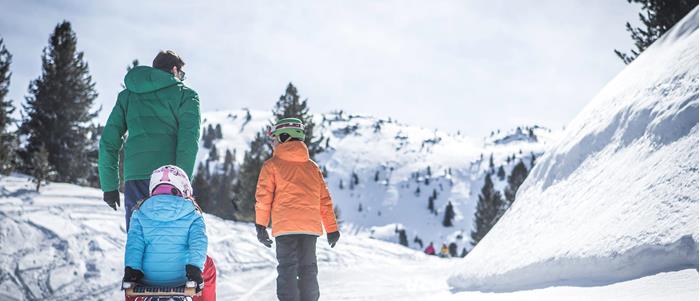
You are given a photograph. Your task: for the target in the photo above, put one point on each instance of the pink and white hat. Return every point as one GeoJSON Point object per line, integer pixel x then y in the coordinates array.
{"type": "Point", "coordinates": [173, 176]}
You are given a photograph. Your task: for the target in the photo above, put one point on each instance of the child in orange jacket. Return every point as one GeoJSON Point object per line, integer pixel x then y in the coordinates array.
{"type": "Point", "coordinates": [292, 191]}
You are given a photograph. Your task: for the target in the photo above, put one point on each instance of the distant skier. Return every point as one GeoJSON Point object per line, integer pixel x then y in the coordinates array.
{"type": "Point", "coordinates": [430, 250]}
{"type": "Point", "coordinates": [444, 251]}
{"type": "Point", "coordinates": [161, 116]}
{"type": "Point", "coordinates": [291, 189]}
{"type": "Point", "coordinates": [167, 242]}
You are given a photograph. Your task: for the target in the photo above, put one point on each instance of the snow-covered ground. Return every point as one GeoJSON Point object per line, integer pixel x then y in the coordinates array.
{"type": "Point", "coordinates": [66, 244]}
{"type": "Point", "coordinates": [617, 198]}
{"type": "Point", "coordinates": [391, 161]}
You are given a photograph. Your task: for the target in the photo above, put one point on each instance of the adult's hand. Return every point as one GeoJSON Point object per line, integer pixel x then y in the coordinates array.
{"type": "Point", "coordinates": [112, 199]}
{"type": "Point", "coordinates": [262, 236]}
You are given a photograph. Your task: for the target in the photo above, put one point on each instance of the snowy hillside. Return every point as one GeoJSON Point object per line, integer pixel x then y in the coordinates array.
{"type": "Point", "coordinates": [381, 173]}
{"type": "Point", "coordinates": [66, 244]}
{"type": "Point", "coordinates": [617, 197]}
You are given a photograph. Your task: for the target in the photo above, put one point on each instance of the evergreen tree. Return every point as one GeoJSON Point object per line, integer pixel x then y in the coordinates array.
{"type": "Point", "coordinates": [533, 158]}
{"type": "Point", "coordinates": [449, 215]}
{"type": "Point", "coordinates": [244, 189]}
{"type": "Point", "coordinates": [515, 179]}
{"type": "Point", "coordinates": [464, 253]}
{"type": "Point", "coordinates": [8, 141]}
{"type": "Point", "coordinates": [200, 186]}
{"type": "Point", "coordinates": [417, 192]}
{"type": "Point", "coordinates": [289, 105]}
{"type": "Point", "coordinates": [213, 153]}
{"type": "Point", "coordinates": [376, 176]}
{"type": "Point", "coordinates": [659, 16]}
{"type": "Point", "coordinates": [341, 185]}
{"type": "Point", "coordinates": [403, 240]}
{"type": "Point", "coordinates": [487, 210]}
{"type": "Point", "coordinates": [41, 169]}
{"type": "Point", "coordinates": [228, 161]}
{"type": "Point", "coordinates": [359, 208]}
{"type": "Point", "coordinates": [501, 173]}
{"type": "Point", "coordinates": [58, 109]}
{"type": "Point", "coordinates": [431, 203]}
{"type": "Point", "coordinates": [491, 165]}
{"type": "Point", "coordinates": [217, 131]}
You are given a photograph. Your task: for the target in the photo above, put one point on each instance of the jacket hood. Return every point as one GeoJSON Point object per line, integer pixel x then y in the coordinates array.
{"type": "Point", "coordinates": [294, 151]}
{"type": "Point", "coordinates": [166, 207]}
{"type": "Point", "coordinates": [144, 79]}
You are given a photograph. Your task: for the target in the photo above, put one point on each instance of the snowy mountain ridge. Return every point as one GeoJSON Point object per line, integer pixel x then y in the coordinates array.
{"type": "Point", "coordinates": [617, 197]}
{"type": "Point", "coordinates": [381, 173]}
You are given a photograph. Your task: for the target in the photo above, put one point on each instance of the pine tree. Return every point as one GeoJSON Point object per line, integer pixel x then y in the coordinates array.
{"type": "Point", "coordinates": [487, 210]}
{"type": "Point", "coordinates": [515, 179]}
{"type": "Point", "coordinates": [244, 189]}
{"type": "Point", "coordinates": [431, 203]}
{"type": "Point", "coordinates": [213, 153]}
{"type": "Point", "coordinates": [41, 169]}
{"type": "Point", "coordinates": [341, 186]}
{"type": "Point", "coordinates": [289, 105]}
{"type": "Point", "coordinates": [58, 109]}
{"type": "Point", "coordinates": [228, 161]}
{"type": "Point", "coordinates": [359, 208]}
{"type": "Point", "coordinates": [8, 141]}
{"type": "Point", "coordinates": [217, 131]}
{"type": "Point", "coordinates": [200, 186]}
{"type": "Point", "coordinates": [403, 240]}
{"type": "Point", "coordinates": [491, 165]}
{"type": "Point", "coordinates": [501, 173]}
{"type": "Point", "coordinates": [659, 16]}
{"type": "Point", "coordinates": [449, 215]}
{"type": "Point", "coordinates": [376, 176]}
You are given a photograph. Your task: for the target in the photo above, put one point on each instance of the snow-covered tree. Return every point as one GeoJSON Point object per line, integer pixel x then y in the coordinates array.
{"type": "Point", "coordinates": [449, 215]}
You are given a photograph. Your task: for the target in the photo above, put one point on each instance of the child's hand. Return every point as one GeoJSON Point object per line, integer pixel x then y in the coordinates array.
{"type": "Point", "coordinates": [262, 236]}
{"type": "Point", "coordinates": [132, 275]}
{"type": "Point", "coordinates": [333, 238]}
{"type": "Point", "coordinates": [195, 274]}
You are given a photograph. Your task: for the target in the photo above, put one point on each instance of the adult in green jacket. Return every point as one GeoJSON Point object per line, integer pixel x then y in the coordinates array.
{"type": "Point", "coordinates": [161, 119]}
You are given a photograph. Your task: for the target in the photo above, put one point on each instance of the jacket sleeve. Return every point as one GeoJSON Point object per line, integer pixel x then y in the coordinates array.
{"type": "Point", "coordinates": [135, 244]}
{"type": "Point", "coordinates": [197, 240]}
{"type": "Point", "coordinates": [188, 119]}
{"type": "Point", "coordinates": [110, 145]}
{"type": "Point", "coordinates": [327, 214]}
{"type": "Point", "coordinates": [264, 194]}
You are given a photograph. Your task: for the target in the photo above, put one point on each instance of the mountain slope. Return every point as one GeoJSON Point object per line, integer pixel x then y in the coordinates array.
{"type": "Point", "coordinates": [617, 198]}
{"type": "Point", "coordinates": [381, 173]}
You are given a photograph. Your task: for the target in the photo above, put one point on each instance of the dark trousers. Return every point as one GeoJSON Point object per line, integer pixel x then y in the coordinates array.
{"type": "Point", "coordinates": [297, 270]}
{"type": "Point", "coordinates": [134, 191]}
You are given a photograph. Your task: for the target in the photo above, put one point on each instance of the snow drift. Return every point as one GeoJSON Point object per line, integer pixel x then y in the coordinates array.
{"type": "Point", "coordinates": [617, 197]}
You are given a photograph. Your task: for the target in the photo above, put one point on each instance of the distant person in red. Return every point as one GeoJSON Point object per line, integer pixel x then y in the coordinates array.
{"type": "Point", "coordinates": [430, 250]}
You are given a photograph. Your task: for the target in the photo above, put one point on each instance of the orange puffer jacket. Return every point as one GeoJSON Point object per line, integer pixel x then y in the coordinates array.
{"type": "Point", "coordinates": [291, 189]}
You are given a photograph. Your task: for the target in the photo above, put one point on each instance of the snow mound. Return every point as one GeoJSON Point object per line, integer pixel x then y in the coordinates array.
{"type": "Point", "coordinates": [617, 197]}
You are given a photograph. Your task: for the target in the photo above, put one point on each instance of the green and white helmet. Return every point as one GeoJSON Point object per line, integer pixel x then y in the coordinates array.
{"type": "Point", "coordinates": [290, 126]}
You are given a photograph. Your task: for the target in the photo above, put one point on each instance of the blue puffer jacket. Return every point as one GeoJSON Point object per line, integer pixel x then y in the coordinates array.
{"type": "Point", "coordinates": [166, 233]}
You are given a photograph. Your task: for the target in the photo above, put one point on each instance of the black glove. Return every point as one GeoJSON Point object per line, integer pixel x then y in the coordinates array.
{"type": "Point", "coordinates": [132, 275]}
{"type": "Point", "coordinates": [112, 199]}
{"type": "Point", "coordinates": [333, 238]}
{"type": "Point", "coordinates": [195, 274]}
{"type": "Point", "coordinates": [262, 236]}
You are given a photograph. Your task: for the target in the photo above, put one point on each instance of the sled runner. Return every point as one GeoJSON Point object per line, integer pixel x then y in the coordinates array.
{"type": "Point", "coordinates": [154, 293]}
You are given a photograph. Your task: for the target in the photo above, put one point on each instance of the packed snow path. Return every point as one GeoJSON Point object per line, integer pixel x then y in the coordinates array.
{"type": "Point", "coordinates": [66, 244]}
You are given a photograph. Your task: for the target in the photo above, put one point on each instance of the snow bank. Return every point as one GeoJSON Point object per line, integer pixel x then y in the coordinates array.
{"type": "Point", "coordinates": [617, 198]}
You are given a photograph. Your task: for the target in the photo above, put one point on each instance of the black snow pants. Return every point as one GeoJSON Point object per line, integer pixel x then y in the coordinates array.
{"type": "Point", "coordinates": [296, 269]}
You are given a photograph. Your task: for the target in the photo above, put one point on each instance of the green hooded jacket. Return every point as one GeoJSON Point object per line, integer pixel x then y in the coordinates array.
{"type": "Point", "coordinates": [162, 118]}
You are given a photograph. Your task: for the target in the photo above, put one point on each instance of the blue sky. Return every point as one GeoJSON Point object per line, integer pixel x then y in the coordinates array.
{"type": "Point", "coordinates": [472, 66]}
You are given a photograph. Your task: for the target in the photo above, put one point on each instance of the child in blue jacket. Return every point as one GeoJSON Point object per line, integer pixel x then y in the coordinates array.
{"type": "Point", "coordinates": [167, 240]}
